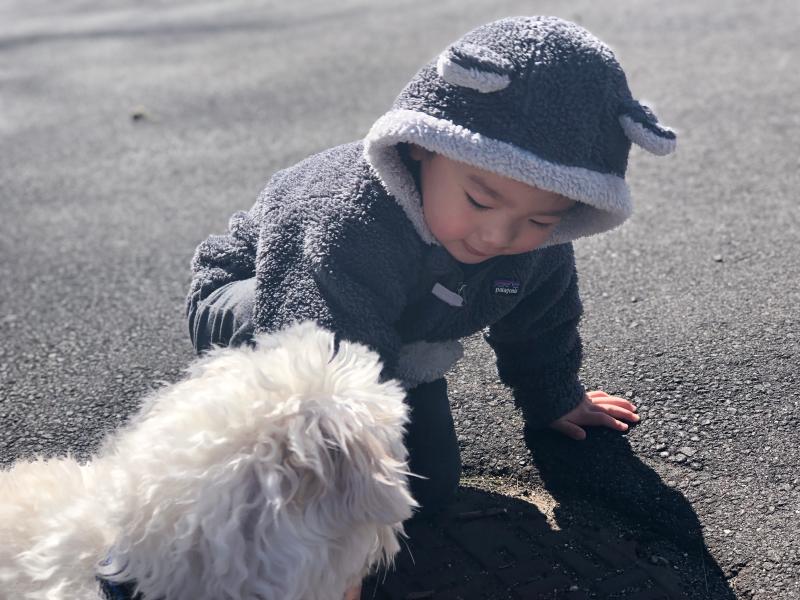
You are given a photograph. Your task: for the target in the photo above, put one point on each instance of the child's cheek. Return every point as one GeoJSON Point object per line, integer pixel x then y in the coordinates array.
{"type": "Point", "coordinates": [437, 221]}
{"type": "Point", "coordinates": [455, 222]}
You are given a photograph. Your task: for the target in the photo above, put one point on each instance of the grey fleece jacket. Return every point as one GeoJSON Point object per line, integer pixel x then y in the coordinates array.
{"type": "Point", "coordinates": [340, 238]}
{"type": "Point", "coordinates": [325, 241]}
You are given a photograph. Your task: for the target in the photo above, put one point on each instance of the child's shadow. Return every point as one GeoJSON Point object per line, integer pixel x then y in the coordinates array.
{"type": "Point", "coordinates": [491, 545]}
{"type": "Point", "coordinates": [604, 470]}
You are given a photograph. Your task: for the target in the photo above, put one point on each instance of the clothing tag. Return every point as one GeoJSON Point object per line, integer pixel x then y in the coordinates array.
{"type": "Point", "coordinates": [505, 287]}
{"type": "Point", "coordinates": [447, 296]}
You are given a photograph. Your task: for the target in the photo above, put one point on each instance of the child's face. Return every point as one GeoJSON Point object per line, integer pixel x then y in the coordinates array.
{"type": "Point", "coordinates": [477, 215]}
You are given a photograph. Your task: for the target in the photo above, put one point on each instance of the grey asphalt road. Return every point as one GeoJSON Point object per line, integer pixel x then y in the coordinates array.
{"type": "Point", "coordinates": [129, 131]}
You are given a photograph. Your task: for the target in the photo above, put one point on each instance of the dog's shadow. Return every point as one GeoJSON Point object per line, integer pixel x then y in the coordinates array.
{"type": "Point", "coordinates": [493, 545]}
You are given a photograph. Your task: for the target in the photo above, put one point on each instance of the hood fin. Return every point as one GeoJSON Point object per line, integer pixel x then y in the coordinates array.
{"type": "Point", "coordinates": [476, 67]}
{"type": "Point", "coordinates": [641, 126]}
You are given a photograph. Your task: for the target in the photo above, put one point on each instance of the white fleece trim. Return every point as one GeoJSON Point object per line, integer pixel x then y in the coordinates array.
{"type": "Point", "coordinates": [397, 179]}
{"type": "Point", "coordinates": [483, 81]}
{"type": "Point", "coordinates": [423, 362]}
{"type": "Point", "coordinates": [647, 139]}
{"type": "Point", "coordinates": [604, 199]}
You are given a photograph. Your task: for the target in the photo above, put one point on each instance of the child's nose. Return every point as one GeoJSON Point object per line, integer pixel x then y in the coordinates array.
{"type": "Point", "coordinates": [498, 236]}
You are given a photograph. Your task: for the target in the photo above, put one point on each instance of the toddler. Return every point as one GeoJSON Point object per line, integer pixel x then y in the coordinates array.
{"type": "Point", "coordinates": [455, 213]}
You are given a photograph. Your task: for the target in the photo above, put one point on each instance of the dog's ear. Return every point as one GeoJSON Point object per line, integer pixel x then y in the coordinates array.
{"type": "Point", "coordinates": [373, 481]}
{"type": "Point", "coordinates": [349, 479]}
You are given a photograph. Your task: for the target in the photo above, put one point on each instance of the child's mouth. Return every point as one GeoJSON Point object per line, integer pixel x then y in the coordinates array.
{"type": "Point", "coordinates": [472, 250]}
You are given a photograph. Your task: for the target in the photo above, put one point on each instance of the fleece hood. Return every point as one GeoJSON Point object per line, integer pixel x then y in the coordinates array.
{"type": "Point", "coordinates": [537, 99]}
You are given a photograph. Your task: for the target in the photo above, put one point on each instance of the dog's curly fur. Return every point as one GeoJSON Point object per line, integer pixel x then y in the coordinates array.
{"type": "Point", "coordinates": [274, 472]}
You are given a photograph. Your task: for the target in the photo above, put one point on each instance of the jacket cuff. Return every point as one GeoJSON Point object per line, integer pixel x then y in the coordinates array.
{"type": "Point", "coordinates": [541, 405]}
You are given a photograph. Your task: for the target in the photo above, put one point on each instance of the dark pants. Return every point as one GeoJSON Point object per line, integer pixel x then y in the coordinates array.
{"type": "Point", "coordinates": [432, 446]}
{"type": "Point", "coordinates": [223, 318]}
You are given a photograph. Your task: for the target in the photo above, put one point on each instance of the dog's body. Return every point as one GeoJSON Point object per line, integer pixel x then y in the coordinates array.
{"type": "Point", "coordinates": [273, 473]}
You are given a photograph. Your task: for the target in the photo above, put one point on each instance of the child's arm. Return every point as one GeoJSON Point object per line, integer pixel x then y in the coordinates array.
{"type": "Point", "coordinates": [346, 266]}
{"type": "Point", "coordinates": [539, 354]}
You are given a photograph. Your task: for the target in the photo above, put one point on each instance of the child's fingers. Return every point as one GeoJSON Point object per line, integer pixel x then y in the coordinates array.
{"type": "Point", "coordinates": [619, 412]}
{"type": "Point", "coordinates": [353, 593]}
{"type": "Point", "coordinates": [606, 399]}
{"type": "Point", "coordinates": [602, 418]}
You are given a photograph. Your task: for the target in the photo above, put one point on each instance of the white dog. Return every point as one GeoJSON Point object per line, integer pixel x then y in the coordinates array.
{"type": "Point", "coordinates": [277, 472]}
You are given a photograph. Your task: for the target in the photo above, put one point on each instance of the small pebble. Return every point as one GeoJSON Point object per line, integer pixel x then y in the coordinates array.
{"type": "Point", "coordinates": [718, 258]}
{"type": "Point", "coordinates": [659, 560]}
{"type": "Point", "coordinates": [138, 114]}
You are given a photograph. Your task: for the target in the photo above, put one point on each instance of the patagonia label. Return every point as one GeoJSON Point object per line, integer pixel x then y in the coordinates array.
{"type": "Point", "coordinates": [505, 287]}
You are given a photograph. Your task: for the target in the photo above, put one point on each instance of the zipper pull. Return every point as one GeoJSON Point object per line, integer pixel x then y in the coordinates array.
{"type": "Point", "coordinates": [460, 290]}
{"type": "Point", "coordinates": [448, 296]}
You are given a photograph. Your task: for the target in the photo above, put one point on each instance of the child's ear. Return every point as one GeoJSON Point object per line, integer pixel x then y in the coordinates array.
{"type": "Point", "coordinates": [418, 153]}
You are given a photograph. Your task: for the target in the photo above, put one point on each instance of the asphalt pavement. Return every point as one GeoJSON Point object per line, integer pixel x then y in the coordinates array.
{"type": "Point", "coordinates": [130, 131]}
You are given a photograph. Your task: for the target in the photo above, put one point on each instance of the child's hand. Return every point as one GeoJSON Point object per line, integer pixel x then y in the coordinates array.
{"type": "Point", "coordinates": [597, 409]}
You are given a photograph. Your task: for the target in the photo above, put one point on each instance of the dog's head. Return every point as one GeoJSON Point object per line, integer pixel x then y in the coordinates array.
{"type": "Point", "coordinates": [278, 471]}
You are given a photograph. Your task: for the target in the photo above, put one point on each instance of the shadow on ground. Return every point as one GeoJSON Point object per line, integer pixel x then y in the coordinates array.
{"type": "Point", "coordinates": [605, 471]}
{"type": "Point", "coordinates": [490, 545]}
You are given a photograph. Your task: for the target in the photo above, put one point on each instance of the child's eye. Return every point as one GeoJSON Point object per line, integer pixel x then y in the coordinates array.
{"type": "Point", "coordinates": [476, 204]}
{"type": "Point", "coordinates": [540, 224]}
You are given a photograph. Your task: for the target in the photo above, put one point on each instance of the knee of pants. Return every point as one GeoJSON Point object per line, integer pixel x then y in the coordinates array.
{"type": "Point", "coordinates": [224, 317]}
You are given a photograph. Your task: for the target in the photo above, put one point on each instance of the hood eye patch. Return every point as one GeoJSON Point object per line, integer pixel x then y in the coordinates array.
{"type": "Point", "coordinates": [475, 67]}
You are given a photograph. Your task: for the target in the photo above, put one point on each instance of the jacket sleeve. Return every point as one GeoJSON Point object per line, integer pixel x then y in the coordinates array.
{"type": "Point", "coordinates": [538, 346]}
{"type": "Point", "coordinates": [220, 300]}
{"type": "Point", "coordinates": [346, 266]}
